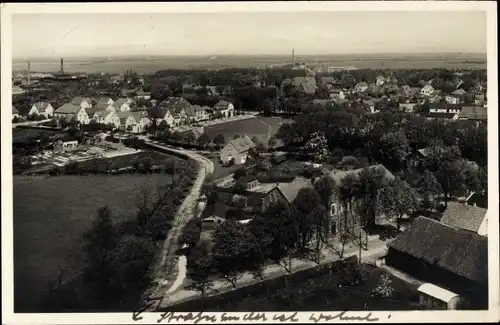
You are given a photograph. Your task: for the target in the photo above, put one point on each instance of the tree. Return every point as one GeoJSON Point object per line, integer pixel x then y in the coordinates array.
{"type": "Point", "coordinates": [320, 221]}
{"type": "Point", "coordinates": [203, 140]}
{"type": "Point", "coordinates": [384, 289]}
{"type": "Point", "coordinates": [429, 187]}
{"type": "Point", "coordinates": [191, 233]}
{"type": "Point", "coordinates": [370, 181]}
{"type": "Point", "coordinates": [239, 173]}
{"type": "Point", "coordinates": [230, 250]}
{"type": "Point", "coordinates": [398, 199]}
{"type": "Point", "coordinates": [393, 149]}
{"type": "Point", "coordinates": [287, 134]}
{"type": "Point", "coordinates": [326, 188]}
{"type": "Point", "coordinates": [200, 265]}
{"type": "Point", "coordinates": [316, 147]}
{"type": "Point", "coordinates": [190, 137]}
{"type": "Point", "coordinates": [219, 140]}
{"type": "Point", "coordinates": [306, 201]}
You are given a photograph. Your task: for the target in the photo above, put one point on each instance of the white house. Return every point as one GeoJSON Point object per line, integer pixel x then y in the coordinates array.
{"type": "Point", "coordinates": [237, 149]}
{"type": "Point", "coordinates": [361, 87]}
{"type": "Point", "coordinates": [42, 108]}
{"type": "Point", "coordinates": [435, 297]}
{"type": "Point", "coordinates": [107, 117]}
{"type": "Point", "coordinates": [122, 105]}
{"type": "Point", "coordinates": [427, 90]}
{"type": "Point", "coordinates": [196, 113]}
{"type": "Point", "coordinates": [135, 122]}
{"type": "Point", "coordinates": [226, 108]}
{"type": "Point", "coordinates": [69, 111]}
{"type": "Point", "coordinates": [452, 99]}
{"type": "Point", "coordinates": [380, 80]}
{"type": "Point", "coordinates": [141, 94]}
{"type": "Point", "coordinates": [83, 102]}
{"type": "Point", "coordinates": [105, 101]}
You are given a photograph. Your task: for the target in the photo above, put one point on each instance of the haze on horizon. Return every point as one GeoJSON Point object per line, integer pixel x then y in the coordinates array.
{"type": "Point", "coordinates": [271, 33]}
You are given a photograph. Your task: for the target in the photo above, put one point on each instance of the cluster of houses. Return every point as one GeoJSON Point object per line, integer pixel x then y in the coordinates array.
{"type": "Point", "coordinates": [123, 113]}
{"type": "Point", "coordinates": [459, 104]}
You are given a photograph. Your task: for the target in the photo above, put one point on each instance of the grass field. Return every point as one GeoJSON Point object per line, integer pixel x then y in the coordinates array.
{"type": "Point", "coordinates": [19, 134]}
{"type": "Point", "coordinates": [260, 127]}
{"type": "Point", "coordinates": [150, 65]}
{"type": "Point", "coordinates": [50, 216]}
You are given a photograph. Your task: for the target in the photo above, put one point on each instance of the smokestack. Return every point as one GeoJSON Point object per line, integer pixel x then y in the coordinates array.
{"type": "Point", "coordinates": [293, 57]}
{"type": "Point", "coordinates": [62, 65]}
{"type": "Point", "coordinates": [29, 73]}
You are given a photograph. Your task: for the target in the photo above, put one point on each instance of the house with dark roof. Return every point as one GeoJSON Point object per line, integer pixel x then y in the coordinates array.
{"type": "Point", "coordinates": [83, 102]}
{"type": "Point", "coordinates": [122, 105]}
{"type": "Point", "coordinates": [176, 106]}
{"type": "Point", "coordinates": [452, 258]}
{"type": "Point", "coordinates": [69, 111]}
{"type": "Point", "coordinates": [474, 113]}
{"type": "Point", "coordinates": [105, 101]}
{"type": "Point", "coordinates": [284, 192]}
{"type": "Point", "coordinates": [42, 108]}
{"type": "Point", "coordinates": [305, 85]}
{"type": "Point", "coordinates": [107, 117]}
{"type": "Point", "coordinates": [237, 149]}
{"type": "Point", "coordinates": [466, 217]}
{"type": "Point", "coordinates": [196, 113]}
{"type": "Point", "coordinates": [141, 94]}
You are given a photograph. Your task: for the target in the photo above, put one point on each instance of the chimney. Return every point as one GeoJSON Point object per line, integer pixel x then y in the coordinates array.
{"type": "Point", "coordinates": [475, 205]}
{"type": "Point", "coordinates": [62, 65]}
{"type": "Point", "coordinates": [29, 73]}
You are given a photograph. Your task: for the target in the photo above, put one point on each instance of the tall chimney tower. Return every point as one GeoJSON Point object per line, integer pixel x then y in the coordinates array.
{"type": "Point", "coordinates": [62, 66]}
{"type": "Point", "coordinates": [293, 57]}
{"type": "Point", "coordinates": [29, 73]}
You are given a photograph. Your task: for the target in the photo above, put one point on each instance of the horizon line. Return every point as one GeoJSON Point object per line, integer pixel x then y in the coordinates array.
{"type": "Point", "coordinates": [243, 55]}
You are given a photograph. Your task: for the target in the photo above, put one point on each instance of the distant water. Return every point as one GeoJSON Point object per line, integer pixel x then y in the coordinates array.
{"type": "Point", "coordinates": [150, 65]}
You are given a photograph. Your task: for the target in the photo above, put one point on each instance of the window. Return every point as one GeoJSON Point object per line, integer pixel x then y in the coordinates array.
{"type": "Point", "coordinates": [333, 209]}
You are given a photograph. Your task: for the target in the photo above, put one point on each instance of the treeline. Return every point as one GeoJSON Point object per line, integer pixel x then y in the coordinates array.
{"type": "Point", "coordinates": [119, 255]}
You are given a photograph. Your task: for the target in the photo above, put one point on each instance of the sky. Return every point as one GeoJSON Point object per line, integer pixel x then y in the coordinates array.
{"type": "Point", "coordinates": [237, 33]}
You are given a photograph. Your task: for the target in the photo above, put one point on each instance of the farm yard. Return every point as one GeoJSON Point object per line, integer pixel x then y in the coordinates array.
{"type": "Point", "coordinates": [50, 215]}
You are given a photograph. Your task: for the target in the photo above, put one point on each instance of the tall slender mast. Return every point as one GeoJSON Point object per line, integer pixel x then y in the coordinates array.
{"type": "Point", "coordinates": [293, 57]}
{"type": "Point", "coordinates": [29, 73]}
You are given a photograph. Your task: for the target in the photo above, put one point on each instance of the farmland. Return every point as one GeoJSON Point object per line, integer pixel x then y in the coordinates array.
{"type": "Point", "coordinates": [50, 215]}
{"type": "Point", "coordinates": [260, 127]}
{"type": "Point", "coordinates": [152, 64]}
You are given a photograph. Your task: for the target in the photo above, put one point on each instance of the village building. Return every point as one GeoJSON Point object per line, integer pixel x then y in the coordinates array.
{"type": "Point", "coordinates": [361, 87]}
{"type": "Point", "coordinates": [408, 107]}
{"type": "Point", "coordinates": [141, 94]}
{"type": "Point", "coordinates": [104, 101]}
{"type": "Point", "coordinates": [122, 105]}
{"type": "Point", "coordinates": [452, 99]}
{"type": "Point", "coordinates": [83, 102]}
{"type": "Point", "coordinates": [69, 111]}
{"type": "Point", "coordinates": [236, 149]}
{"type": "Point", "coordinates": [474, 113]}
{"type": "Point", "coordinates": [226, 108]}
{"type": "Point", "coordinates": [196, 113]}
{"type": "Point", "coordinates": [284, 192]}
{"type": "Point", "coordinates": [454, 259]}
{"type": "Point", "coordinates": [42, 108]}
{"type": "Point", "coordinates": [427, 90]}
{"type": "Point", "coordinates": [15, 112]}
{"type": "Point", "coordinates": [437, 298]}
{"type": "Point", "coordinates": [135, 122]}
{"type": "Point", "coordinates": [107, 117]}
{"type": "Point", "coordinates": [466, 217]}
{"type": "Point", "coordinates": [380, 80]}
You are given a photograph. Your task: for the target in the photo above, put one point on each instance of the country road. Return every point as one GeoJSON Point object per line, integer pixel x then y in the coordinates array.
{"type": "Point", "coordinates": [167, 265]}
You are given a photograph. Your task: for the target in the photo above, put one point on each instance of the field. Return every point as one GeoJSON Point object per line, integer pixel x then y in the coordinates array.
{"type": "Point", "coordinates": [152, 64]}
{"type": "Point", "coordinates": [50, 216]}
{"type": "Point", "coordinates": [20, 134]}
{"type": "Point", "coordinates": [260, 127]}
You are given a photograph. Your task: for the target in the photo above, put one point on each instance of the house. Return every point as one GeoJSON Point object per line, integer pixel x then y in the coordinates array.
{"type": "Point", "coordinates": [15, 112]}
{"type": "Point", "coordinates": [441, 116]}
{"type": "Point", "coordinates": [452, 258]}
{"type": "Point", "coordinates": [437, 298]}
{"type": "Point", "coordinates": [338, 221]}
{"type": "Point", "coordinates": [102, 106]}
{"type": "Point", "coordinates": [196, 113]}
{"type": "Point", "coordinates": [237, 149]}
{"type": "Point", "coordinates": [42, 108]}
{"type": "Point", "coordinates": [459, 92]}
{"type": "Point", "coordinates": [336, 93]}
{"type": "Point", "coordinates": [361, 87]}
{"type": "Point", "coordinates": [65, 144]}
{"type": "Point", "coordinates": [135, 122]}
{"type": "Point", "coordinates": [380, 80]}
{"type": "Point", "coordinates": [107, 117]}
{"type": "Point", "coordinates": [225, 107]}
{"type": "Point", "coordinates": [175, 104]}
{"type": "Point", "coordinates": [427, 90]}
{"type": "Point", "coordinates": [408, 107]}
{"type": "Point", "coordinates": [305, 84]}
{"type": "Point", "coordinates": [285, 192]}
{"type": "Point", "coordinates": [69, 111]}
{"type": "Point", "coordinates": [474, 113]}
{"type": "Point", "coordinates": [371, 106]}
{"type": "Point", "coordinates": [390, 88]}
{"type": "Point", "coordinates": [452, 99]}
{"type": "Point", "coordinates": [104, 102]}
{"type": "Point", "coordinates": [466, 217]}
{"type": "Point", "coordinates": [141, 94]}
{"type": "Point", "coordinates": [122, 105]}
{"type": "Point", "coordinates": [445, 108]}
{"type": "Point", "coordinates": [414, 91]}
{"type": "Point", "coordinates": [83, 102]}
{"type": "Point", "coordinates": [405, 90]}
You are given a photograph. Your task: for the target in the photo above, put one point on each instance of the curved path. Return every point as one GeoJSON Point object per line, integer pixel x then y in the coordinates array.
{"type": "Point", "coordinates": [166, 265]}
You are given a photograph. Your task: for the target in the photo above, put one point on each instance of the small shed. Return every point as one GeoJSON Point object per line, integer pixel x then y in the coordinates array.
{"type": "Point", "coordinates": [436, 297]}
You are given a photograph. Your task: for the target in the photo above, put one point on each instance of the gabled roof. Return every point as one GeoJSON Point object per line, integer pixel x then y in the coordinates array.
{"type": "Point", "coordinates": [68, 108]}
{"type": "Point", "coordinates": [78, 100]}
{"type": "Point", "coordinates": [102, 106]}
{"type": "Point", "coordinates": [142, 93]}
{"type": "Point", "coordinates": [175, 103]}
{"type": "Point", "coordinates": [474, 113]}
{"type": "Point", "coordinates": [192, 109]}
{"type": "Point", "coordinates": [479, 199]}
{"type": "Point", "coordinates": [103, 101]}
{"type": "Point", "coordinates": [120, 102]}
{"type": "Point", "coordinates": [41, 106]}
{"type": "Point", "coordinates": [123, 116]}
{"type": "Point", "coordinates": [103, 113]}
{"type": "Point", "coordinates": [242, 144]}
{"type": "Point", "coordinates": [222, 105]}
{"type": "Point", "coordinates": [413, 91]}
{"type": "Point", "coordinates": [461, 216]}
{"type": "Point", "coordinates": [459, 92]}
{"type": "Point", "coordinates": [139, 115]}
{"type": "Point", "coordinates": [14, 110]}
{"type": "Point", "coordinates": [458, 251]}
{"type": "Point", "coordinates": [290, 190]}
